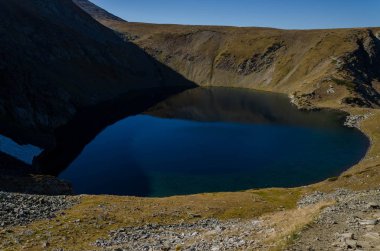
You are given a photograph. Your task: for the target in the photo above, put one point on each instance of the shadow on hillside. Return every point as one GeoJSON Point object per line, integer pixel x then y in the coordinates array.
{"type": "Point", "coordinates": [71, 138]}
{"type": "Point", "coordinates": [18, 177]}
{"type": "Point", "coordinates": [108, 68]}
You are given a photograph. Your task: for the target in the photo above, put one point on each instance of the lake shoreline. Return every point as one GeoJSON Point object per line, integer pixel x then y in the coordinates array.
{"type": "Point", "coordinates": [271, 205]}
{"type": "Point", "coordinates": [226, 107]}
{"type": "Point", "coordinates": [345, 110]}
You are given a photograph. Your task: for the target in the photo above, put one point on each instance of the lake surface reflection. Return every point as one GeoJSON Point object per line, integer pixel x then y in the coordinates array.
{"type": "Point", "coordinates": [215, 139]}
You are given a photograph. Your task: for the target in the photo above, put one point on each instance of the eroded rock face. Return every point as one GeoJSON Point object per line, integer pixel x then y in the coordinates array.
{"type": "Point", "coordinates": [260, 61]}
{"type": "Point", "coordinates": [361, 65]}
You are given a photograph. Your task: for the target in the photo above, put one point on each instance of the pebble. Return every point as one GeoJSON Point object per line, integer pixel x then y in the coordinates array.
{"type": "Point", "coordinates": [372, 235]}
{"type": "Point", "coordinates": [369, 222]}
{"type": "Point", "coordinates": [373, 205]}
{"type": "Point", "coordinates": [349, 236]}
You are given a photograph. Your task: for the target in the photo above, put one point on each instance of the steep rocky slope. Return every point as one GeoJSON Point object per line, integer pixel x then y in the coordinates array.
{"type": "Point", "coordinates": [56, 59]}
{"type": "Point", "coordinates": [323, 67]}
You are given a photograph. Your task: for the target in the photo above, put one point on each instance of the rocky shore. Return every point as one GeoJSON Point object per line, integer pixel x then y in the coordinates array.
{"type": "Point", "coordinates": [355, 120]}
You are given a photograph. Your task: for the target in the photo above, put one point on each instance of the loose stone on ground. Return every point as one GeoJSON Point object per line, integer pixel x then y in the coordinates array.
{"type": "Point", "coordinates": [21, 209]}
{"type": "Point", "coordinates": [351, 224]}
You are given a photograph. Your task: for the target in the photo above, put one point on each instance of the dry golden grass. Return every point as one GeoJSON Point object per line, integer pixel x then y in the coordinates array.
{"type": "Point", "coordinates": [100, 214]}
{"type": "Point", "coordinates": [308, 57]}
{"type": "Point", "coordinates": [289, 223]}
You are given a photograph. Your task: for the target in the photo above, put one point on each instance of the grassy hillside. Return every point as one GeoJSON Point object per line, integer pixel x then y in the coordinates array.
{"type": "Point", "coordinates": [309, 61]}
{"type": "Point", "coordinates": [336, 67]}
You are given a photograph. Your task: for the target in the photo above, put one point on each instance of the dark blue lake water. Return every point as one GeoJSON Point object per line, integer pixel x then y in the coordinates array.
{"type": "Point", "coordinates": [216, 139]}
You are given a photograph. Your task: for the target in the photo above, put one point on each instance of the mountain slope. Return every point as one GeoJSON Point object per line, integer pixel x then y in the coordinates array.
{"type": "Point", "coordinates": [98, 13]}
{"type": "Point", "coordinates": [325, 66]}
{"type": "Point", "coordinates": [336, 67]}
{"type": "Point", "coordinates": [56, 59]}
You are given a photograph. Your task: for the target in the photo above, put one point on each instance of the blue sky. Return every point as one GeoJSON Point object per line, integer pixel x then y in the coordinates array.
{"type": "Point", "coordinates": [288, 14]}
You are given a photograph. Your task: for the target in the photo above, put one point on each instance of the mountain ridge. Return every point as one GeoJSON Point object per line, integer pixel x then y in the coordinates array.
{"type": "Point", "coordinates": [320, 67]}
{"type": "Point", "coordinates": [97, 12]}
{"type": "Point", "coordinates": [273, 60]}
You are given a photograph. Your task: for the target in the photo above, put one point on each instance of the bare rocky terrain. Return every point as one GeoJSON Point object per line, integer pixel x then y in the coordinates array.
{"type": "Point", "coordinates": [350, 221]}
{"type": "Point", "coordinates": [209, 234]}
{"type": "Point", "coordinates": [21, 209]}
{"type": "Point", "coordinates": [351, 224]}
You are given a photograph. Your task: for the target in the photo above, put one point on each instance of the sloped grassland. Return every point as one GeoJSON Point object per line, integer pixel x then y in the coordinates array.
{"type": "Point", "coordinates": [302, 62]}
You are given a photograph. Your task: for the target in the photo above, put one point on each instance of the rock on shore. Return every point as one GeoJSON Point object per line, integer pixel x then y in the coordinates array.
{"type": "Point", "coordinates": [355, 120]}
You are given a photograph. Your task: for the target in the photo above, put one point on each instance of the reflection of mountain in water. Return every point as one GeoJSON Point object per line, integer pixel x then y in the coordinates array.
{"type": "Point", "coordinates": [241, 105]}
{"type": "Point", "coordinates": [74, 136]}
{"type": "Point", "coordinates": [108, 150]}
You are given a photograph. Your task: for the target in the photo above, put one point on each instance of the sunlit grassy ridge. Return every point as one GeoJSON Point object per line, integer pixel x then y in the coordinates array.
{"type": "Point", "coordinates": [287, 61]}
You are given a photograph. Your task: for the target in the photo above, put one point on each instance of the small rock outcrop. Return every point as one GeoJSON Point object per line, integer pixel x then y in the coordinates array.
{"type": "Point", "coordinates": [355, 120]}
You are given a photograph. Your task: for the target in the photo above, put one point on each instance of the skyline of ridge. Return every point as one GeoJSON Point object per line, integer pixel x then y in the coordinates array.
{"type": "Point", "coordinates": [296, 14]}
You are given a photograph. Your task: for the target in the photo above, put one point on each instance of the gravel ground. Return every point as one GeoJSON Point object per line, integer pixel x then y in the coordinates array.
{"type": "Point", "coordinates": [21, 209]}
{"type": "Point", "coordinates": [317, 197]}
{"type": "Point", "coordinates": [209, 234]}
{"type": "Point", "coordinates": [351, 224]}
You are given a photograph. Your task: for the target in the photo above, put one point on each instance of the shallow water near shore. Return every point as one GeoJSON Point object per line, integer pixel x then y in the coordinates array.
{"type": "Point", "coordinates": [216, 139]}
